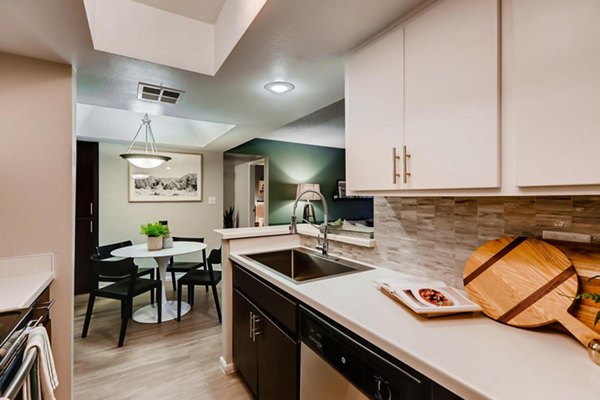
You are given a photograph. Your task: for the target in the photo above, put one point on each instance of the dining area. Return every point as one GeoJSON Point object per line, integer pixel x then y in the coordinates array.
{"type": "Point", "coordinates": [116, 276]}
{"type": "Point", "coordinates": [140, 315]}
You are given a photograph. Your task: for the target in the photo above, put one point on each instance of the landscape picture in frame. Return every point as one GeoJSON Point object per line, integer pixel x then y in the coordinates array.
{"type": "Point", "coordinates": [179, 179]}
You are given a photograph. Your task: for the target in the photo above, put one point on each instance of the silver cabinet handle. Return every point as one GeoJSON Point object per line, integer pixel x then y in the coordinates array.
{"type": "Point", "coordinates": [91, 208]}
{"type": "Point", "coordinates": [45, 305]}
{"type": "Point", "coordinates": [251, 325]}
{"type": "Point", "coordinates": [395, 158]}
{"type": "Point", "coordinates": [405, 157]}
{"type": "Point", "coordinates": [91, 226]}
{"type": "Point", "coordinates": [255, 331]}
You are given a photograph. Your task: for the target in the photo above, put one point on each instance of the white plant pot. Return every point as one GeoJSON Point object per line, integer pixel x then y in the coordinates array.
{"type": "Point", "coordinates": [167, 242]}
{"type": "Point", "coordinates": [155, 243]}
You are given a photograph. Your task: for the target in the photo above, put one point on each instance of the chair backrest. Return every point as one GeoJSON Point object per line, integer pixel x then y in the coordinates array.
{"type": "Point", "coordinates": [190, 239]}
{"type": "Point", "coordinates": [114, 270]}
{"type": "Point", "coordinates": [215, 256]}
{"type": "Point", "coordinates": [104, 251]}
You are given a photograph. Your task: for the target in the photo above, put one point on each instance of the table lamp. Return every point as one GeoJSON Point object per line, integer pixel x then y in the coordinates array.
{"type": "Point", "coordinates": [309, 209]}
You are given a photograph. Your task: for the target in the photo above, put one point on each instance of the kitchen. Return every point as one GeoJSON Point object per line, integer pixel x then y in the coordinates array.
{"type": "Point", "coordinates": [440, 190]}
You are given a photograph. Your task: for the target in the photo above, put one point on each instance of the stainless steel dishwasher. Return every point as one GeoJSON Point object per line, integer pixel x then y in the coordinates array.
{"type": "Point", "coordinates": [336, 365]}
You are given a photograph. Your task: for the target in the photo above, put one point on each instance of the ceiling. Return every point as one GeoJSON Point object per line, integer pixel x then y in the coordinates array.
{"type": "Point", "coordinates": [299, 41]}
{"type": "Point", "coordinates": [200, 10]}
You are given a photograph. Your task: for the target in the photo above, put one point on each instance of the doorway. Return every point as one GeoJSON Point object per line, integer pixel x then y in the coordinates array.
{"type": "Point", "coordinates": [246, 189]}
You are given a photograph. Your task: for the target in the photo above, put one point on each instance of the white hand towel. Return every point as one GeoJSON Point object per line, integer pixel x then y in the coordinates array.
{"type": "Point", "coordinates": [48, 380]}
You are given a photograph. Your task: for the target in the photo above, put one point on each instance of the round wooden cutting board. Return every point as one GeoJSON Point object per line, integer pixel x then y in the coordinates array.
{"type": "Point", "coordinates": [525, 282]}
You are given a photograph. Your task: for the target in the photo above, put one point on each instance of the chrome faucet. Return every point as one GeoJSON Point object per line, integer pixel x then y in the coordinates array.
{"type": "Point", "coordinates": [323, 246]}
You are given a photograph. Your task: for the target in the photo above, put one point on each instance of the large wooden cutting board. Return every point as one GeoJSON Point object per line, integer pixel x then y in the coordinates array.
{"type": "Point", "coordinates": [525, 282]}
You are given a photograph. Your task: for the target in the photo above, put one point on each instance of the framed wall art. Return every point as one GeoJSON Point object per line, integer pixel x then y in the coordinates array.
{"type": "Point", "coordinates": [179, 179]}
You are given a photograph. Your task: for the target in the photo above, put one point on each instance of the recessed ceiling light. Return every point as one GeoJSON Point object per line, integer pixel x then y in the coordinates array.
{"type": "Point", "coordinates": [279, 87]}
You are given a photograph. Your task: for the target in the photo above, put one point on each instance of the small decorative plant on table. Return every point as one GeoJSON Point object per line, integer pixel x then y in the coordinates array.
{"type": "Point", "coordinates": [155, 233]}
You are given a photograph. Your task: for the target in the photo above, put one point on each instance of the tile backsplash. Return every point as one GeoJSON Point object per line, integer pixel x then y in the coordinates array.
{"type": "Point", "coordinates": [433, 236]}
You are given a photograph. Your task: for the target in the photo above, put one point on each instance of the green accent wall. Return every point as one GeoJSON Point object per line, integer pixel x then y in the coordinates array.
{"type": "Point", "coordinates": [292, 163]}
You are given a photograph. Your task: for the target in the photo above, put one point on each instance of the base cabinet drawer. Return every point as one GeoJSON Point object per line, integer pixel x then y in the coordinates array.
{"type": "Point", "coordinates": [280, 307]}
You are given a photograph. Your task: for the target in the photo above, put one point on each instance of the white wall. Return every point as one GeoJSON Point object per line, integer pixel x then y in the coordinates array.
{"type": "Point", "coordinates": [36, 181]}
{"type": "Point", "coordinates": [242, 194]}
{"type": "Point", "coordinates": [121, 220]}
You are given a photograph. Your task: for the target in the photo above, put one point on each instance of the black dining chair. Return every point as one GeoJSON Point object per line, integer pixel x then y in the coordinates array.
{"type": "Point", "coordinates": [201, 277]}
{"type": "Point", "coordinates": [127, 286]}
{"type": "Point", "coordinates": [103, 252]}
{"type": "Point", "coordinates": [185, 266]}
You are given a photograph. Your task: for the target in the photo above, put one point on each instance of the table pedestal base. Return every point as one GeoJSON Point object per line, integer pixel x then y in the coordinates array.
{"type": "Point", "coordinates": [149, 314]}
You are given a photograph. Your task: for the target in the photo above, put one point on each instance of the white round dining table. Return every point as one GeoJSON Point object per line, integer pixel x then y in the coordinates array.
{"type": "Point", "coordinates": [149, 314]}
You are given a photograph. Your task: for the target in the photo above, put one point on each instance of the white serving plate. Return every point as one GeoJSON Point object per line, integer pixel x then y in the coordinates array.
{"type": "Point", "coordinates": [406, 292]}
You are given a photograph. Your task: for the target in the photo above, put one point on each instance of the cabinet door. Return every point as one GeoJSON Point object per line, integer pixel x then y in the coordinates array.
{"type": "Point", "coordinates": [86, 240]}
{"type": "Point", "coordinates": [374, 113]}
{"type": "Point", "coordinates": [557, 91]}
{"type": "Point", "coordinates": [277, 362]}
{"type": "Point", "coordinates": [451, 96]}
{"type": "Point", "coordinates": [244, 348]}
{"type": "Point", "coordinates": [86, 212]}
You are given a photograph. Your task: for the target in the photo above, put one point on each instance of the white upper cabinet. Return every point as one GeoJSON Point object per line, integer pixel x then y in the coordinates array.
{"type": "Point", "coordinates": [557, 92]}
{"type": "Point", "coordinates": [374, 113]}
{"type": "Point", "coordinates": [452, 96]}
{"type": "Point", "coordinates": [428, 89]}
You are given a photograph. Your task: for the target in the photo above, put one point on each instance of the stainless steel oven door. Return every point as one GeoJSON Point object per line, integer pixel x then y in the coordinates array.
{"type": "Point", "coordinates": [320, 381]}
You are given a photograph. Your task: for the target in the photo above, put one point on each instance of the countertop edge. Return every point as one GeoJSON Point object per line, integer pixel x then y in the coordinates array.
{"type": "Point", "coordinates": [277, 230]}
{"type": "Point", "coordinates": [37, 283]}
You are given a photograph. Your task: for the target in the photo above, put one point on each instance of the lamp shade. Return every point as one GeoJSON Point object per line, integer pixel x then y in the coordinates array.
{"type": "Point", "coordinates": [149, 159]}
{"type": "Point", "coordinates": [145, 161]}
{"type": "Point", "coordinates": [308, 186]}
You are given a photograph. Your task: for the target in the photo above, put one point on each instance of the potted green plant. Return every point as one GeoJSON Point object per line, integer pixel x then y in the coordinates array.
{"type": "Point", "coordinates": [154, 233]}
{"type": "Point", "coordinates": [591, 296]}
{"type": "Point", "coordinates": [229, 218]}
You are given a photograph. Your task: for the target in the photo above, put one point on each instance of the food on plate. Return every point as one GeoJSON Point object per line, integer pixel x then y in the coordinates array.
{"type": "Point", "coordinates": [435, 297]}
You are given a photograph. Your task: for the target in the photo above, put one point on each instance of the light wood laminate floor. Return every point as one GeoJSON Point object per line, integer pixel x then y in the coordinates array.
{"type": "Point", "coordinates": [158, 361]}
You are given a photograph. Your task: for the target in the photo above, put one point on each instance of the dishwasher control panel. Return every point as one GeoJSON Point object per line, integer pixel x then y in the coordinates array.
{"type": "Point", "coordinates": [377, 376]}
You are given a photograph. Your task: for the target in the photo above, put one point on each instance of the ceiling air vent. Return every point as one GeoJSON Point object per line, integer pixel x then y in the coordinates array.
{"type": "Point", "coordinates": [159, 94]}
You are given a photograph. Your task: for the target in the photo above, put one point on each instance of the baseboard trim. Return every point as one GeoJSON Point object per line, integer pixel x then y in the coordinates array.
{"type": "Point", "coordinates": [225, 367]}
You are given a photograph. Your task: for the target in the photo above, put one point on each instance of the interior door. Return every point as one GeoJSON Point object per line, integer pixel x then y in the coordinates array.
{"type": "Point", "coordinates": [244, 348]}
{"type": "Point", "coordinates": [277, 362]}
{"type": "Point", "coordinates": [86, 214]}
{"type": "Point", "coordinates": [242, 194]}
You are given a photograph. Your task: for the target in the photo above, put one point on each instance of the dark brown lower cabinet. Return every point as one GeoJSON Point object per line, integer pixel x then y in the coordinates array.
{"type": "Point", "coordinates": [266, 345]}
{"type": "Point", "coordinates": [264, 354]}
{"type": "Point", "coordinates": [244, 348]}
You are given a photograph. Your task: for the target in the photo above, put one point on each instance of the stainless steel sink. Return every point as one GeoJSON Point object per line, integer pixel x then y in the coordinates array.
{"type": "Point", "coordinates": [300, 265]}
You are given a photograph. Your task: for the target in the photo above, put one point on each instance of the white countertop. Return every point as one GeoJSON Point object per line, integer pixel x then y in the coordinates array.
{"type": "Point", "coordinates": [469, 354]}
{"type": "Point", "coordinates": [277, 230]}
{"type": "Point", "coordinates": [23, 279]}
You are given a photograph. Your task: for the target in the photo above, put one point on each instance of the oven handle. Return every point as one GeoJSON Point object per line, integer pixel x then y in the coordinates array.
{"type": "Point", "coordinates": [17, 345]}
{"type": "Point", "coordinates": [19, 379]}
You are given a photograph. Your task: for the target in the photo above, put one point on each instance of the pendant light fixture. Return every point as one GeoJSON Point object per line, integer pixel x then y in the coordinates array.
{"type": "Point", "coordinates": [149, 158]}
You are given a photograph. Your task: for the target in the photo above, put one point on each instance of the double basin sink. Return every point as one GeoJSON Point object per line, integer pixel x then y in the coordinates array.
{"type": "Point", "coordinates": [299, 265]}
